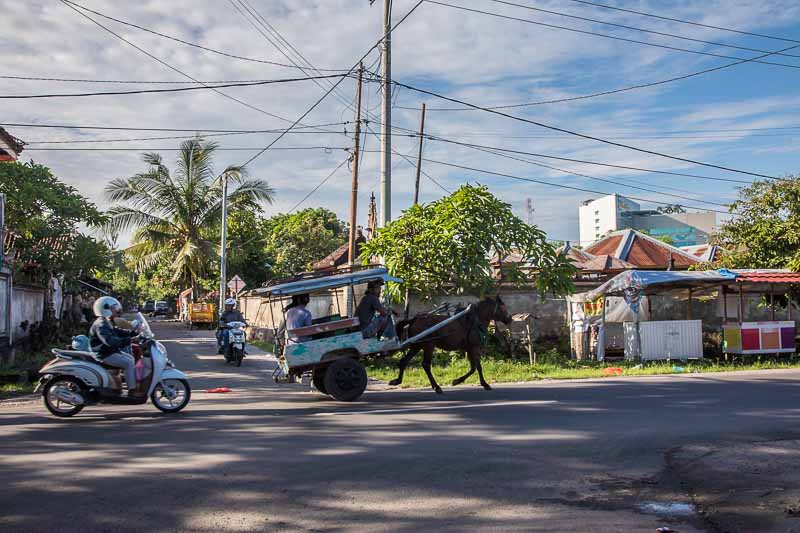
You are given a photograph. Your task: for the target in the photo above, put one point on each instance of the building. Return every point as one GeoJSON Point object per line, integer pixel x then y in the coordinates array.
{"type": "Point", "coordinates": [613, 213]}
{"type": "Point", "coordinates": [10, 146]}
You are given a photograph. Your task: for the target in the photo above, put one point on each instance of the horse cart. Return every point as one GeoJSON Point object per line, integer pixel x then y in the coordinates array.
{"type": "Point", "coordinates": [331, 349]}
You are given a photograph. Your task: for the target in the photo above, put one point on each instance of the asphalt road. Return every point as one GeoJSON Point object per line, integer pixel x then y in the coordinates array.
{"type": "Point", "coordinates": [548, 456]}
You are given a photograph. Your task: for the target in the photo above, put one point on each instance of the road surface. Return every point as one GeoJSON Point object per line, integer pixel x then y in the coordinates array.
{"type": "Point", "coordinates": [587, 455]}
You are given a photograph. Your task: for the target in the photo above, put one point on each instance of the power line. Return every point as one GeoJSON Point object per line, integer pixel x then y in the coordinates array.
{"type": "Point", "coordinates": [634, 28]}
{"type": "Point", "coordinates": [158, 149]}
{"type": "Point", "coordinates": [549, 184]}
{"type": "Point", "coordinates": [176, 90]}
{"type": "Point", "coordinates": [72, 5]}
{"type": "Point", "coordinates": [580, 175]}
{"type": "Point", "coordinates": [586, 32]}
{"type": "Point", "coordinates": [120, 128]}
{"type": "Point", "coordinates": [581, 135]}
{"type": "Point", "coordinates": [583, 161]}
{"type": "Point", "coordinates": [132, 82]}
{"type": "Point", "coordinates": [171, 137]}
{"type": "Point", "coordinates": [188, 43]}
{"type": "Point", "coordinates": [671, 19]}
{"type": "Point", "coordinates": [320, 184]}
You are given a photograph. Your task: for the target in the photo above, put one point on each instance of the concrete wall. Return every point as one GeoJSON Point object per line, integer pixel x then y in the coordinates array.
{"type": "Point", "coordinates": [27, 306]}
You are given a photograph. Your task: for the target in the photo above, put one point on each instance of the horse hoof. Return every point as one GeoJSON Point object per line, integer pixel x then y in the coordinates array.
{"type": "Point", "coordinates": [395, 382]}
{"type": "Point", "coordinates": [438, 390]}
{"type": "Point", "coordinates": [456, 383]}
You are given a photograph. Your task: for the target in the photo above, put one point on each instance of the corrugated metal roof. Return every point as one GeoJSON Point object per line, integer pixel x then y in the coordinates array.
{"type": "Point", "coordinates": [606, 246]}
{"type": "Point", "coordinates": [646, 253]}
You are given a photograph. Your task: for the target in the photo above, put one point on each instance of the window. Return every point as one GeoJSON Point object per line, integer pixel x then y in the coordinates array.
{"type": "Point", "coordinates": [597, 221]}
{"type": "Point", "coordinates": [597, 213]}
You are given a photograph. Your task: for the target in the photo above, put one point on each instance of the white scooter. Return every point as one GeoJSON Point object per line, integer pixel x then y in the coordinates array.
{"type": "Point", "coordinates": [75, 379]}
{"type": "Point", "coordinates": [236, 342]}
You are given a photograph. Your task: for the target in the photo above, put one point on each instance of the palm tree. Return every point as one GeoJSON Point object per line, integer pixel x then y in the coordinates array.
{"type": "Point", "coordinates": [176, 217]}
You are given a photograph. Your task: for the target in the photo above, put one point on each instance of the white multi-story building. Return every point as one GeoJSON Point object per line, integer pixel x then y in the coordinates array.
{"type": "Point", "coordinates": [603, 215]}
{"type": "Point", "coordinates": [613, 212]}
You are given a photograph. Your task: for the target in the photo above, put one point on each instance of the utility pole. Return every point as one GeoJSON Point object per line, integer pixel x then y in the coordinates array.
{"type": "Point", "coordinates": [351, 253]}
{"type": "Point", "coordinates": [386, 118]}
{"type": "Point", "coordinates": [419, 154]}
{"type": "Point", "coordinates": [223, 244]}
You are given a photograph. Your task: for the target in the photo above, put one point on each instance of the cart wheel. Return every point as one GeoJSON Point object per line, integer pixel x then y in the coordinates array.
{"type": "Point", "coordinates": [345, 379]}
{"type": "Point", "coordinates": [318, 378]}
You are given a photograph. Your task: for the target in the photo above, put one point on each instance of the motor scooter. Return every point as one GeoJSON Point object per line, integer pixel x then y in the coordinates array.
{"type": "Point", "coordinates": [237, 338]}
{"type": "Point", "coordinates": [76, 378]}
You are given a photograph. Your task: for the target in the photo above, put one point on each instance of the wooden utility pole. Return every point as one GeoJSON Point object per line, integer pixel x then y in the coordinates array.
{"type": "Point", "coordinates": [419, 154]}
{"type": "Point", "coordinates": [386, 117]}
{"type": "Point", "coordinates": [351, 254]}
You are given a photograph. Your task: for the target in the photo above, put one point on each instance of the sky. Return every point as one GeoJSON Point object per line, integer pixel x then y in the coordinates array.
{"type": "Point", "coordinates": [745, 117]}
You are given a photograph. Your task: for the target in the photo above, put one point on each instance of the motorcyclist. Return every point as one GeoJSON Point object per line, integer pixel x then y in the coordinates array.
{"type": "Point", "coordinates": [109, 341]}
{"type": "Point", "coordinates": [230, 314]}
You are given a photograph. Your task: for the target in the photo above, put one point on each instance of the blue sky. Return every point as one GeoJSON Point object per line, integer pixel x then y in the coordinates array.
{"type": "Point", "coordinates": [474, 57]}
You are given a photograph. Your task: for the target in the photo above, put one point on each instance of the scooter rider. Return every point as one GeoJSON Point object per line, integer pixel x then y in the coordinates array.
{"type": "Point", "coordinates": [230, 314]}
{"type": "Point", "coordinates": [108, 341]}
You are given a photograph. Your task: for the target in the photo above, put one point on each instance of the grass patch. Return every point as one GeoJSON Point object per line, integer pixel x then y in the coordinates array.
{"type": "Point", "coordinates": [10, 390]}
{"type": "Point", "coordinates": [264, 345]}
{"type": "Point", "coordinates": [552, 365]}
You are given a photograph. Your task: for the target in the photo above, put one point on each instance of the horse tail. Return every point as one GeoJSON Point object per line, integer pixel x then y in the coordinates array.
{"type": "Point", "coordinates": [401, 327]}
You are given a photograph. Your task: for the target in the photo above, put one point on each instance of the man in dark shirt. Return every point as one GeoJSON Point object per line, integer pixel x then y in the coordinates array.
{"type": "Point", "coordinates": [374, 318]}
{"type": "Point", "coordinates": [230, 314]}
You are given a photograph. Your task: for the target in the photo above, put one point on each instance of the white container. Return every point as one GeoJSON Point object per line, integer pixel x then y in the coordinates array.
{"type": "Point", "coordinates": [666, 339]}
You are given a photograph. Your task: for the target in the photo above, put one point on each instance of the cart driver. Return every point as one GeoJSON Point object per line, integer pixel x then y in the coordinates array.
{"type": "Point", "coordinates": [374, 318]}
{"type": "Point", "coordinates": [230, 314]}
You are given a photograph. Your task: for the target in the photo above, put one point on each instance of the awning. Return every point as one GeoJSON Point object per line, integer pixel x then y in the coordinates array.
{"type": "Point", "coordinates": [642, 280]}
{"type": "Point", "coordinates": [326, 282]}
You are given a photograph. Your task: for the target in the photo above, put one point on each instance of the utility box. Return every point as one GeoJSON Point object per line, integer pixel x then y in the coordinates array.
{"type": "Point", "coordinates": [665, 339]}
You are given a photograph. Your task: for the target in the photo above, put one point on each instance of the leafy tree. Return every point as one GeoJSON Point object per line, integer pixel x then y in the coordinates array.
{"type": "Point", "coordinates": [176, 215]}
{"type": "Point", "coordinates": [247, 256]}
{"type": "Point", "coordinates": [295, 241]}
{"type": "Point", "coordinates": [446, 247]}
{"type": "Point", "coordinates": [44, 213]}
{"type": "Point", "coordinates": [765, 229]}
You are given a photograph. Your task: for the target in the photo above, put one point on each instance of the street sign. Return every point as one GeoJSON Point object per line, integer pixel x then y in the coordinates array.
{"type": "Point", "coordinates": [236, 284]}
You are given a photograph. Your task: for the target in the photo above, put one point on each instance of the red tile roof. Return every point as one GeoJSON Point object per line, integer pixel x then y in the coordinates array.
{"type": "Point", "coordinates": [768, 277]}
{"type": "Point", "coordinates": [646, 253]}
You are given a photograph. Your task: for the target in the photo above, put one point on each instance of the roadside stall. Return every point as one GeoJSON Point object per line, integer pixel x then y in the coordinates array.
{"type": "Point", "coordinates": [645, 339]}
{"type": "Point", "coordinates": [753, 337]}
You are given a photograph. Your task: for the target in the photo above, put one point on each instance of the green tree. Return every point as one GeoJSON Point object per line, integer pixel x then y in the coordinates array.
{"type": "Point", "coordinates": [446, 247]}
{"type": "Point", "coordinates": [764, 231]}
{"type": "Point", "coordinates": [296, 241]}
{"type": "Point", "coordinates": [175, 216]}
{"type": "Point", "coordinates": [44, 214]}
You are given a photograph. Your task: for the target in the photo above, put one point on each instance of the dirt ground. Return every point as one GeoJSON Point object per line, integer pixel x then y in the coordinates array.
{"type": "Point", "coordinates": [743, 486]}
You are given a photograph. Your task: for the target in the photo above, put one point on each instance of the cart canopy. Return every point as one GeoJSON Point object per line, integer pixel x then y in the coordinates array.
{"type": "Point", "coordinates": [326, 282]}
{"type": "Point", "coordinates": [639, 281]}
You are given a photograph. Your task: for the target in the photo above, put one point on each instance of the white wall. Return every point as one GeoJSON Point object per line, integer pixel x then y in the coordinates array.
{"type": "Point", "coordinates": [26, 305]}
{"type": "Point", "coordinates": [601, 216]}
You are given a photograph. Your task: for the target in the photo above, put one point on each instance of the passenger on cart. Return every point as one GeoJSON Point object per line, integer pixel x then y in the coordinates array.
{"type": "Point", "coordinates": [297, 316]}
{"type": "Point", "coordinates": [374, 318]}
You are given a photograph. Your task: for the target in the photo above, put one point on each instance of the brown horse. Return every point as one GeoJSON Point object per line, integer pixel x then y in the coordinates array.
{"type": "Point", "coordinates": [468, 334]}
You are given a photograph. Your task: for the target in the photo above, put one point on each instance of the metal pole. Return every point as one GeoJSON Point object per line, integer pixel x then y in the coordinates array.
{"type": "Point", "coordinates": [741, 304]}
{"type": "Point", "coordinates": [223, 243]}
{"type": "Point", "coordinates": [386, 118]}
{"type": "Point", "coordinates": [419, 154]}
{"type": "Point", "coordinates": [2, 227]}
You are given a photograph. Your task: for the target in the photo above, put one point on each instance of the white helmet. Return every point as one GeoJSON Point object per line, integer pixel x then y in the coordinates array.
{"type": "Point", "coordinates": [231, 301]}
{"type": "Point", "coordinates": [105, 306]}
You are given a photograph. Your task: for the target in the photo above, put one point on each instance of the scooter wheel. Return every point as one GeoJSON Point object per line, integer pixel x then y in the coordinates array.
{"type": "Point", "coordinates": [171, 395]}
{"type": "Point", "coordinates": [54, 404]}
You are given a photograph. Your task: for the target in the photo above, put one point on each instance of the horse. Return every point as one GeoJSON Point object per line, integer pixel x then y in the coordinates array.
{"type": "Point", "coordinates": [467, 333]}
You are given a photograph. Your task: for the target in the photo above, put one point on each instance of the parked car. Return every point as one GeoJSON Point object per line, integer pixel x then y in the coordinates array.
{"type": "Point", "coordinates": [149, 307]}
{"type": "Point", "coordinates": [161, 308]}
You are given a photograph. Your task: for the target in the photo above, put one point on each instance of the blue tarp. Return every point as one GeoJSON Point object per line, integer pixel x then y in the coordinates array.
{"type": "Point", "coordinates": [638, 281]}
{"type": "Point", "coordinates": [327, 282]}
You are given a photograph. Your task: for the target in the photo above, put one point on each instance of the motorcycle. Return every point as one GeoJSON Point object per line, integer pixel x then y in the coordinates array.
{"type": "Point", "coordinates": [236, 342]}
{"type": "Point", "coordinates": [76, 378]}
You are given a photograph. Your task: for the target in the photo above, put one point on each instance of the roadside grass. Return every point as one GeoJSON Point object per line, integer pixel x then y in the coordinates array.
{"type": "Point", "coordinates": [264, 345]}
{"type": "Point", "coordinates": [447, 367]}
{"type": "Point", "coordinates": [11, 390]}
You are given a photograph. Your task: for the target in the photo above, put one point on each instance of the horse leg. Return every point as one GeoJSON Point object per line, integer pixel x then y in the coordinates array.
{"type": "Point", "coordinates": [475, 359]}
{"type": "Point", "coordinates": [462, 379]}
{"type": "Point", "coordinates": [409, 355]}
{"type": "Point", "coordinates": [427, 357]}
